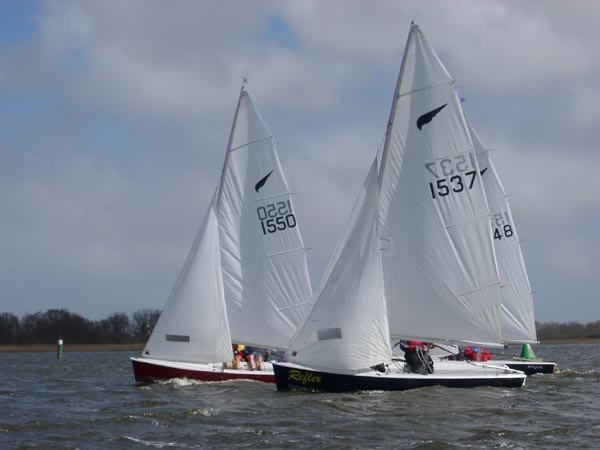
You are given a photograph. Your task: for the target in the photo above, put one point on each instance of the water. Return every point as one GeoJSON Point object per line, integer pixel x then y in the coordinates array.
{"type": "Point", "coordinates": [90, 400]}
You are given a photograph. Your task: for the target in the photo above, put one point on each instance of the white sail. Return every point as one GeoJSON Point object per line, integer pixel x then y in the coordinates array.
{"type": "Point", "coordinates": [347, 328]}
{"type": "Point", "coordinates": [518, 323]}
{"type": "Point", "coordinates": [441, 278]}
{"type": "Point", "coordinates": [246, 277]}
{"type": "Point", "coordinates": [265, 275]}
{"type": "Point", "coordinates": [193, 325]}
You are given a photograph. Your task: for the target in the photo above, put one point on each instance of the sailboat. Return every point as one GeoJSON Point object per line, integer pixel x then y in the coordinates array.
{"type": "Point", "coordinates": [245, 279]}
{"type": "Point", "coordinates": [518, 323]}
{"type": "Point", "coordinates": [417, 259]}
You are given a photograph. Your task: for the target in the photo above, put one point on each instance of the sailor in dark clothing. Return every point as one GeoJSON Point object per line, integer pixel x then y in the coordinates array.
{"type": "Point", "coordinates": [417, 357]}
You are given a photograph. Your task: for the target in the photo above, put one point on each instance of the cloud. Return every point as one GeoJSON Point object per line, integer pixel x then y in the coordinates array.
{"type": "Point", "coordinates": [116, 117]}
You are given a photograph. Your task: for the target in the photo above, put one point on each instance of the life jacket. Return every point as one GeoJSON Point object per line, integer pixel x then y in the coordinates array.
{"type": "Point", "coordinates": [485, 355]}
{"type": "Point", "coordinates": [413, 345]}
{"type": "Point", "coordinates": [470, 354]}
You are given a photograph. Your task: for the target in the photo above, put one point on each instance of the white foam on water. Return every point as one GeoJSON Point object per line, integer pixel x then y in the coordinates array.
{"type": "Point", "coordinates": [155, 444]}
{"type": "Point", "coordinates": [206, 412]}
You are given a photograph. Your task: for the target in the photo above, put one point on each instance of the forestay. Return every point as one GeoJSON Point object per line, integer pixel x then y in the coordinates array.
{"type": "Point", "coordinates": [347, 328]}
{"type": "Point", "coordinates": [266, 283]}
{"type": "Point", "coordinates": [518, 323]}
{"type": "Point", "coordinates": [193, 325]}
{"type": "Point", "coordinates": [441, 278]}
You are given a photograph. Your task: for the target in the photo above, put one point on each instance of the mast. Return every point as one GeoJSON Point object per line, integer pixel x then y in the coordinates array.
{"type": "Point", "coordinates": [237, 110]}
{"type": "Point", "coordinates": [388, 131]}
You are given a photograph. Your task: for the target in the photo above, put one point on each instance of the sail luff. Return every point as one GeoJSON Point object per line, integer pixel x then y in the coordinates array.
{"type": "Point", "coordinates": [386, 143]}
{"type": "Point", "coordinates": [229, 144]}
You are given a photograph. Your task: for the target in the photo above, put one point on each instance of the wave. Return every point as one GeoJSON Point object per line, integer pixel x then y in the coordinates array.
{"type": "Point", "coordinates": [155, 444]}
{"type": "Point", "coordinates": [569, 373]}
{"type": "Point", "coordinates": [191, 382]}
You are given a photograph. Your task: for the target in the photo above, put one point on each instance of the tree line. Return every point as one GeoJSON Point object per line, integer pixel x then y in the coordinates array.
{"type": "Point", "coordinates": [567, 330]}
{"type": "Point", "coordinates": [120, 328]}
{"type": "Point", "coordinates": [47, 327]}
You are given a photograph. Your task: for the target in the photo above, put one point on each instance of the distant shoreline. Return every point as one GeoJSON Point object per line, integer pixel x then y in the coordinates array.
{"type": "Point", "coordinates": [30, 348]}
{"type": "Point", "coordinates": [51, 348]}
{"type": "Point", "coordinates": [570, 341]}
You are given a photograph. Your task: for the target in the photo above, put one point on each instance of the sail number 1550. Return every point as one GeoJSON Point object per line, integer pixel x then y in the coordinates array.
{"type": "Point", "coordinates": [275, 217]}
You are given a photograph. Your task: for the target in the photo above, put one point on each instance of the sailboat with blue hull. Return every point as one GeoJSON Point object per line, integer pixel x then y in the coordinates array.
{"type": "Point", "coordinates": [416, 260]}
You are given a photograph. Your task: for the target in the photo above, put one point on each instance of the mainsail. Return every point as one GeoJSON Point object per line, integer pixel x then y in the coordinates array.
{"type": "Point", "coordinates": [441, 277]}
{"type": "Point", "coordinates": [347, 329]}
{"type": "Point", "coordinates": [246, 278]}
{"type": "Point", "coordinates": [518, 323]}
{"type": "Point", "coordinates": [265, 275]}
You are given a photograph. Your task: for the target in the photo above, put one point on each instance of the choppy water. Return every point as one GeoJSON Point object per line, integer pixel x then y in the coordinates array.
{"type": "Point", "coordinates": [90, 400]}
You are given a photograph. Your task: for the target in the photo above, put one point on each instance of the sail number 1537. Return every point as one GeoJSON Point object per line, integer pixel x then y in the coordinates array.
{"type": "Point", "coordinates": [454, 174]}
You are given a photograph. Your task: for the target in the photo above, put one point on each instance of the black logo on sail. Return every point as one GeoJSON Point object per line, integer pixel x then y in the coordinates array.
{"type": "Point", "coordinates": [483, 171]}
{"type": "Point", "coordinates": [428, 117]}
{"type": "Point", "coordinates": [262, 181]}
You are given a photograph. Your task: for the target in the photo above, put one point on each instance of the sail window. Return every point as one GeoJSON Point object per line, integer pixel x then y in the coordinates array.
{"type": "Point", "coordinates": [177, 338]}
{"type": "Point", "coordinates": [329, 333]}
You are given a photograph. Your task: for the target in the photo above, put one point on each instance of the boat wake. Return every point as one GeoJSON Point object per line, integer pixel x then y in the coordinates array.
{"type": "Point", "coordinates": [573, 373]}
{"type": "Point", "coordinates": [183, 382]}
{"type": "Point", "coordinates": [155, 444]}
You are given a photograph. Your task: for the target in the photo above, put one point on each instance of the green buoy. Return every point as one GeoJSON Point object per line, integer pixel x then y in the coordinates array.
{"type": "Point", "coordinates": [527, 353]}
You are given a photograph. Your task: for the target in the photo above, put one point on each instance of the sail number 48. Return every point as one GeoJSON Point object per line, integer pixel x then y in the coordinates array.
{"type": "Point", "coordinates": [501, 225]}
{"type": "Point", "coordinates": [275, 217]}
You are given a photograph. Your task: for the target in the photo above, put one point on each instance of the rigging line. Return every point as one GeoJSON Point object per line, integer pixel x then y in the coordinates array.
{"type": "Point", "coordinates": [250, 143]}
{"type": "Point", "coordinates": [490, 366]}
{"type": "Point", "coordinates": [380, 147]}
{"type": "Point", "coordinates": [390, 124]}
{"type": "Point", "coordinates": [229, 143]}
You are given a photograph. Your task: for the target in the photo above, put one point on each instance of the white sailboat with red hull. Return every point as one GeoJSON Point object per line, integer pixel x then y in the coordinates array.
{"type": "Point", "coordinates": [245, 279]}
{"type": "Point", "coordinates": [416, 260]}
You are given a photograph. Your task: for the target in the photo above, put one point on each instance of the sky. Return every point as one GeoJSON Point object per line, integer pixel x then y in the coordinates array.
{"type": "Point", "coordinates": [115, 116]}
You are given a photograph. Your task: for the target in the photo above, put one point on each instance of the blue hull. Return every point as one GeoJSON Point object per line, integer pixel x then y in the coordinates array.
{"type": "Point", "coordinates": [289, 377]}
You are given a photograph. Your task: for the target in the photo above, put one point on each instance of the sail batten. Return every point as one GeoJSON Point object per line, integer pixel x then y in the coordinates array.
{"type": "Point", "coordinates": [250, 143]}
{"type": "Point", "coordinates": [404, 94]}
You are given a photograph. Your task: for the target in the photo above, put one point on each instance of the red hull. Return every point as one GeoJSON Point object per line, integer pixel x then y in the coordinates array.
{"type": "Point", "coordinates": [146, 372]}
